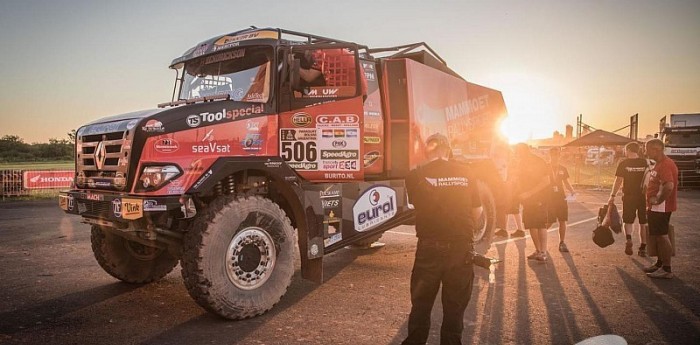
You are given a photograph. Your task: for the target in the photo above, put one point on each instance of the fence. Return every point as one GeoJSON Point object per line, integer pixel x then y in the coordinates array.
{"type": "Point", "coordinates": [17, 182]}
{"type": "Point", "coordinates": [603, 176]}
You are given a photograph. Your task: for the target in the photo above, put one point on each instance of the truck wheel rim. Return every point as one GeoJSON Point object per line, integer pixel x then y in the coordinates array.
{"type": "Point", "coordinates": [250, 258]}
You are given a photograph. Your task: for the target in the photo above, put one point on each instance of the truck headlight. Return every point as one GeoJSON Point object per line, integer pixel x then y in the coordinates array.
{"type": "Point", "coordinates": [154, 177]}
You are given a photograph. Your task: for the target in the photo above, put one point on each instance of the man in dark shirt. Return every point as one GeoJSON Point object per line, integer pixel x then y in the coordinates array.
{"type": "Point", "coordinates": [630, 174]}
{"type": "Point", "coordinates": [533, 191]}
{"type": "Point", "coordinates": [447, 204]}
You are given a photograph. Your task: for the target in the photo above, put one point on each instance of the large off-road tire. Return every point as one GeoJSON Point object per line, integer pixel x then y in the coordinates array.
{"type": "Point", "coordinates": [129, 261]}
{"type": "Point", "coordinates": [238, 257]}
{"type": "Point", "coordinates": [483, 234]}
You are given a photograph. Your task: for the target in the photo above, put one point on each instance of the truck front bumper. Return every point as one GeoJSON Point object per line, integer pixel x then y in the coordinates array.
{"type": "Point", "coordinates": [123, 208]}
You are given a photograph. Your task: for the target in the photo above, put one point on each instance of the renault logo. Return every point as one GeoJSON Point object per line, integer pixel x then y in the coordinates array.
{"type": "Point", "coordinates": [100, 155]}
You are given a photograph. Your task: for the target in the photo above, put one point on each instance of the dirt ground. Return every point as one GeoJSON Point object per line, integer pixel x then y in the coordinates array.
{"type": "Point", "coordinates": [52, 291]}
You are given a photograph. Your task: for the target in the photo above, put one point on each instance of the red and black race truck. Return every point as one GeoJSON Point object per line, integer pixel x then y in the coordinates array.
{"type": "Point", "coordinates": [249, 162]}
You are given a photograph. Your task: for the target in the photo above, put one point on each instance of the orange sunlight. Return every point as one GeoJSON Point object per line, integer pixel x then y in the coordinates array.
{"type": "Point", "coordinates": [533, 106]}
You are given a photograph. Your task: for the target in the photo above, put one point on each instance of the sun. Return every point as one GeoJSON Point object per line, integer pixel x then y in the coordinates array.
{"type": "Point", "coordinates": [534, 109]}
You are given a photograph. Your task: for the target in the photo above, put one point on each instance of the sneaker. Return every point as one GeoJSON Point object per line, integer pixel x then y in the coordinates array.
{"type": "Point", "coordinates": [562, 247]}
{"type": "Point", "coordinates": [518, 233]}
{"type": "Point", "coordinates": [542, 257]}
{"type": "Point", "coordinates": [651, 269]}
{"type": "Point", "coordinates": [501, 233]}
{"type": "Point", "coordinates": [628, 248]}
{"type": "Point", "coordinates": [660, 274]}
{"type": "Point", "coordinates": [642, 252]}
{"type": "Point", "coordinates": [534, 255]}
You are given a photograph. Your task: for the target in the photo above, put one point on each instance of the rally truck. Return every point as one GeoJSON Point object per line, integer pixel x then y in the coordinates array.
{"type": "Point", "coordinates": [248, 162]}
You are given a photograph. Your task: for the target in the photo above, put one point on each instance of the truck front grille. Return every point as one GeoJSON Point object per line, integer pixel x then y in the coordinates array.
{"type": "Point", "coordinates": [102, 160]}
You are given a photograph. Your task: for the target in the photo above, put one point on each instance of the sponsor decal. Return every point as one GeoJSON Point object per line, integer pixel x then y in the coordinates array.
{"type": "Point", "coordinates": [82, 208]}
{"type": "Point", "coordinates": [166, 145]}
{"type": "Point", "coordinates": [201, 180]}
{"type": "Point", "coordinates": [152, 205]}
{"type": "Point", "coordinates": [372, 113]}
{"type": "Point", "coordinates": [230, 55]}
{"type": "Point", "coordinates": [288, 135]}
{"type": "Point", "coordinates": [63, 202]}
{"type": "Point", "coordinates": [339, 176]}
{"type": "Point", "coordinates": [211, 147]}
{"type": "Point", "coordinates": [303, 165]}
{"type": "Point", "coordinates": [45, 179]}
{"type": "Point", "coordinates": [338, 120]}
{"type": "Point", "coordinates": [252, 142]}
{"type": "Point", "coordinates": [273, 164]}
{"type": "Point", "coordinates": [132, 209]}
{"type": "Point", "coordinates": [196, 120]}
{"type": "Point", "coordinates": [117, 208]}
{"type": "Point", "coordinates": [340, 165]}
{"type": "Point", "coordinates": [330, 203]}
{"type": "Point", "coordinates": [372, 140]}
{"type": "Point", "coordinates": [339, 144]}
{"type": "Point", "coordinates": [370, 158]}
{"type": "Point", "coordinates": [301, 119]}
{"type": "Point", "coordinates": [372, 127]}
{"type": "Point", "coordinates": [448, 181]}
{"type": "Point", "coordinates": [200, 50]}
{"type": "Point", "coordinates": [339, 154]}
{"type": "Point", "coordinates": [252, 126]}
{"type": "Point", "coordinates": [323, 92]}
{"type": "Point", "coordinates": [467, 107]}
{"type": "Point", "coordinates": [337, 237]}
{"type": "Point", "coordinates": [94, 197]}
{"type": "Point", "coordinates": [233, 41]}
{"type": "Point", "coordinates": [376, 206]}
{"type": "Point", "coordinates": [153, 126]}
{"type": "Point", "coordinates": [329, 192]}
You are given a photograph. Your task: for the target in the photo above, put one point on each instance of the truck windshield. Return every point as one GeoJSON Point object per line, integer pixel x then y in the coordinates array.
{"type": "Point", "coordinates": [243, 74]}
{"type": "Point", "coordinates": [689, 139]}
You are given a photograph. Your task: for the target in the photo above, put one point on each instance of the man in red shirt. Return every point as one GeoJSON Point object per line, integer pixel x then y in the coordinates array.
{"type": "Point", "coordinates": [661, 202]}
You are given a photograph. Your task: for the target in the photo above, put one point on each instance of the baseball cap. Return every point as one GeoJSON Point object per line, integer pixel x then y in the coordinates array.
{"type": "Point", "coordinates": [436, 140]}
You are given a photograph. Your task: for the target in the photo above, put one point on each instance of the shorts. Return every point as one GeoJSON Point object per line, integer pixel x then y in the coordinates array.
{"type": "Point", "coordinates": [558, 210]}
{"type": "Point", "coordinates": [633, 207]}
{"type": "Point", "coordinates": [535, 215]}
{"type": "Point", "coordinates": [658, 222]}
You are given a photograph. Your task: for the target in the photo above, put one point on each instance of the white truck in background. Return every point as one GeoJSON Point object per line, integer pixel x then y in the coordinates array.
{"type": "Point", "coordinates": [681, 136]}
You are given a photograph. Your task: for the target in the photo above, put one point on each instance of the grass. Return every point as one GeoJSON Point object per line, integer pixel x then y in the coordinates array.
{"type": "Point", "coordinates": [49, 165]}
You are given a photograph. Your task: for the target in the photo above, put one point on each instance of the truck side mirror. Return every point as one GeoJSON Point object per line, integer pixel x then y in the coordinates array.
{"type": "Point", "coordinates": [294, 76]}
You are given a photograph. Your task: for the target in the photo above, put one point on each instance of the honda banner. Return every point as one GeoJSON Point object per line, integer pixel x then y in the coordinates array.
{"type": "Point", "coordinates": [48, 179]}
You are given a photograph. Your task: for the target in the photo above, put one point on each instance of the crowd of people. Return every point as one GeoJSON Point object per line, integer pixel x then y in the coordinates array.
{"type": "Point", "coordinates": [448, 209]}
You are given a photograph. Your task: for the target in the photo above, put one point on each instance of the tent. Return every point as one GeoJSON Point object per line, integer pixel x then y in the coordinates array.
{"type": "Point", "coordinates": [599, 137]}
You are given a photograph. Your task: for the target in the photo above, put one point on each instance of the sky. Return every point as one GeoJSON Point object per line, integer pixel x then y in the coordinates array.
{"type": "Point", "coordinates": [65, 63]}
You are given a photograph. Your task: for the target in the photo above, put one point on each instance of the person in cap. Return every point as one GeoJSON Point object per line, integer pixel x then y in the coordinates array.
{"type": "Point", "coordinates": [446, 200]}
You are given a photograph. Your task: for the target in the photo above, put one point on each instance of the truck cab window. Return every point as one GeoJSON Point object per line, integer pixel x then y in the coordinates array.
{"type": "Point", "coordinates": [326, 73]}
{"type": "Point", "coordinates": [243, 74]}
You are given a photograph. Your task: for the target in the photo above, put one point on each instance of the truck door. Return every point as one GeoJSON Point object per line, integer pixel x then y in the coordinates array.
{"type": "Point", "coordinates": [321, 128]}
